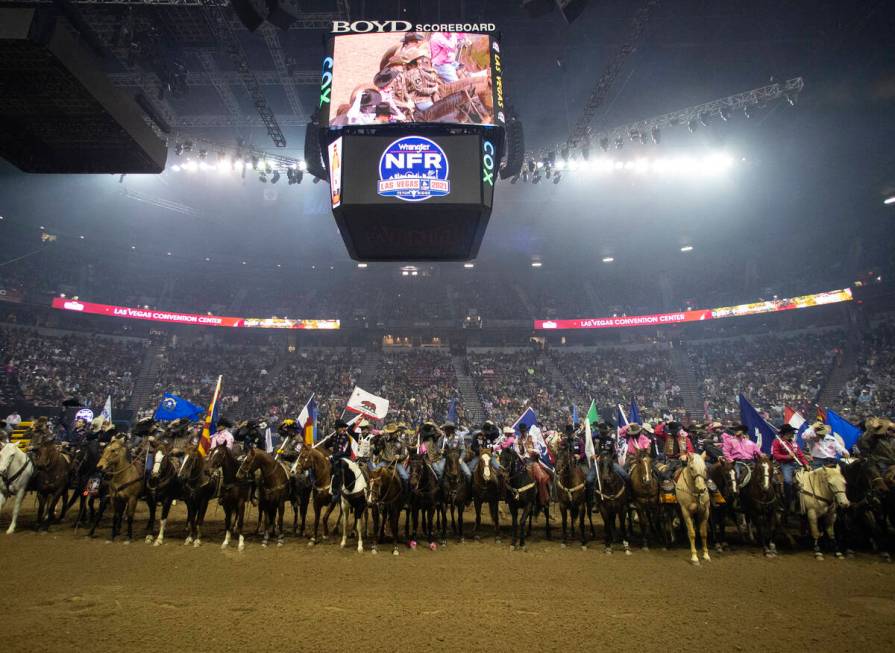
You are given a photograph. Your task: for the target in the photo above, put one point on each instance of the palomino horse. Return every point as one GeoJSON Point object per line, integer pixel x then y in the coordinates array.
{"type": "Point", "coordinates": [162, 487]}
{"type": "Point", "coordinates": [486, 489]}
{"type": "Point", "coordinates": [315, 461]}
{"type": "Point", "coordinates": [51, 481]}
{"type": "Point", "coordinates": [272, 492]}
{"type": "Point", "coordinates": [612, 499]}
{"type": "Point", "coordinates": [454, 493]}
{"type": "Point", "coordinates": [16, 470]}
{"type": "Point", "coordinates": [645, 496]}
{"type": "Point", "coordinates": [423, 498]}
{"type": "Point", "coordinates": [724, 502]}
{"type": "Point", "coordinates": [125, 486]}
{"type": "Point", "coordinates": [693, 498]}
{"type": "Point", "coordinates": [197, 488]}
{"type": "Point", "coordinates": [821, 492]}
{"type": "Point", "coordinates": [233, 494]}
{"type": "Point", "coordinates": [521, 492]}
{"type": "Point", "coordinates": [762, 501]}
{"type": "Point", "coordinates": [386, 500]}
{"type": "Point", "coordinates": [571, 493]}
{"type": "Point", "coordinates": [866, 490]}
{"type": "Point", "coordinates": [353, 500]}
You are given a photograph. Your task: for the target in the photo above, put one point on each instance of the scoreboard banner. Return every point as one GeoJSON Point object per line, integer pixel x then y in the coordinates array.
{"type": "Point", "coordinates": [376, 77]}
{"type": "Point", "coordinates": [659, 319]}
{"type": "Point", "coordinates": [195, 319]}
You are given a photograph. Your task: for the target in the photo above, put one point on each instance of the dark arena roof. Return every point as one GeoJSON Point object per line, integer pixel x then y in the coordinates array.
{"type": "Point", "coordinates": [685, 212]}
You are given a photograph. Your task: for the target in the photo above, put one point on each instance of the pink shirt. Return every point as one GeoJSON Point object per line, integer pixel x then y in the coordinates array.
{"type": "Point", "coordinates": [735, 448]}
{"type": "Point", "coordinates": [635, 444]}
{"type": "Point", "coordinates": [443, 47]}
{"type": "Point", "coordinates": [222, 438]}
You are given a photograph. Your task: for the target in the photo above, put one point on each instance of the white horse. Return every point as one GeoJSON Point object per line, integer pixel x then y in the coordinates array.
{"type": "Point", "coordinates": [16, 470]}
{"type": "Point", "coordinates": [354, 501]}
{"type": "Point", "coordinates": [821, 492]}
{"type": "Point", "coordinates": [693, 497]}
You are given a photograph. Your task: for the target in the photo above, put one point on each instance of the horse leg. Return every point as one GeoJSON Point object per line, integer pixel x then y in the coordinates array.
{"type": "Point", "coordinates": [131, 509]}
{"type": "Point", "coordinates": [343, 519]}
{"type": "Point", "coordinates": [394, 516]}
{"type": "Point", "coordinates": [166, 508]}
{"type": "Point", "coordinates": [150, 525]}
{"type": "Point", "coordinates": [546, 510]}
{"type": "Point", "coordinates": [326, 515]}
{"type": "Point", "coordinates": [513, 515]}
{"type": "Point", "coordinates": [359, 513]}
{"type": "Point", "coordinates": [41, 502]}
{"type": "Point", "coordinates": [495, 518]}
{"type": "Point", "coordinates": [562, 513]}
{"type": "Point", "coordinates": [443, 511]}
{"type": "Point", "coordinates": [691, 533]}
{"type": "Point", "coordinates": [201, 509]}
{"type": "Point", "coordinates": [477, 506]}
{"type": "Point", "coordinates": [460, 509]}
{"type": "Point", "coordinates": [281, 509]}
{"type": "Point", "coordinates": [703, 532]}
{"type": "Point", "coordinates": [811, 514]}
{"type": "Point", "coordinates": [190, 521]}
{"type": "Point", "coordinates": [20, 495]}
{"type": "Point", "coordinates": [831, 533]}
{"type": "Point", "coordinates": [240, 521]}
{"type": "Point", "coordinates": [228, 518]}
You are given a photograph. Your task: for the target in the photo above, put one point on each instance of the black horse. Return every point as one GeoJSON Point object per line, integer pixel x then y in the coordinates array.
{"type": "Point", "coordinates": [83, 469]}
{"type": "Point", "coordinates": [423, 497]}
{"type": "Point", "coordinates": [520, 492]}
{"type": "Point", "coordinates": [867, 495]}
{"type": "Point", "coordinates": [612, 499]}
{"type": "Point", "coordinates": [455, 493]}
{"type": "Point", "coordinates": [162, 487]}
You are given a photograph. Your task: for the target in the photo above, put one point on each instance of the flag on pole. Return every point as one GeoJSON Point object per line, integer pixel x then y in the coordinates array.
{"type": "Point", "coordinates": [172, 407]}
{"type": "Point", "coordinates": [621, 444]}
{"type": "Point", "coordinates": [593, 416]}
{"type": "Point", "coordinates": [211, 418]}
{"type": "Point", "coordinates": [759, 429]}
{"type": "Point", "coordinates": [452, 411]}
{"type": "Point", "coordinates": [635, 413]}
{"type": "Point", "coordinates": [848, 432]}
{"type": "Point", "coordinates": [530, 419]}
{"type": "Point", "coordinates": [107, 410]}
{"type": "Point", "coordinates": [821, 415]}
{"type": "Point", "coordinates": [367, 404]}
{"type": "Point", "coordinates": [795, 420]}
{"type": "Point", "coordinates": [589, 451]}
{"type": "Point", "coordinates": [307, 419]}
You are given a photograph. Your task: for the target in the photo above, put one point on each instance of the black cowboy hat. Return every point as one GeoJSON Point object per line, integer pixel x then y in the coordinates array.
{"type": "Point", "coordinates": [570, 428]}
{"type": "Point", "coordinates": [674, 426]}
{"type": "Point", "coordinates": [786, 429]}
{"type": "Point", "coordinates": [523, 427]}
{"type": "Point", "coordinates": [226, 423]}
{"type": "Point", "coordinates": [341, 424]}
{"type": "Point", "coordinates": [602, 426]}
{"type": "Point", "coordinates": [384, 77]}
{"type": "Point", "coordinates": [740, 428]}
{"type": "Point", "coordinates": [448, 425]}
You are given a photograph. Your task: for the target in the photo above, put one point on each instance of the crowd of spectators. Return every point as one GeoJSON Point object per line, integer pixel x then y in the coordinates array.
{"type": "Point", "coordinates": [872, 390]}
{"type": "Point", "coordinates": [419, 384]}
{"type": "Point", "coordinates": [771, 371]}
{"type": "Point", "coordinates": [45, 369]}
{"type": "Point", "coordinates": [618, 376]}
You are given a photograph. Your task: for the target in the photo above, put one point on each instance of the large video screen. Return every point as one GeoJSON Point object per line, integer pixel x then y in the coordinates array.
{"type": "Point", "coordinates": [413, 77]}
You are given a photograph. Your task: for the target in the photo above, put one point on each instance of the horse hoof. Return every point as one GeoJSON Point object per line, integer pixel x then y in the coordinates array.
{"type": "Point", "coordinates": [279, 543]}
{"type": "Point", "coordinates": [512, 547]}
{"type": "Point", "coordinates": [607, 551]}
{"type": "Point", "coordinates": [562, 545]}
{"type": "Point", "coordinates": [158, 542]}
{"type": "Point", "coordinates": [312, 542]}
{"type": "Point", "coordinates": [264, 545]}
{"type": "Point", "coordinates": [224, 546]}
{"type": "Point", "coordinates": [627, 552]}
{"type": "Point", "coordinates": [433, 546]}
{"type": "Point", "coordinates": [706, 557]}
{"type": "Point", "coordinates": [476, 538]}
{"type": "Point", "coordinates": [148, 539]}
{"type": "Point", "coordinates": [839, 556]}
{"type": "Point", "coordinates": [395, 552]}
{"type": "Point", "coordinates": [127, 542]}
{"type": "Point", "coordinates": [497, 540]}
{"type": "Point", "coordinates": [694, 562]}
{"type": "Point", "coordinates": [197, 544]}
{"type": "Point", "coordinates": [412, 544]}
{"type": "Point", "coordinates": [462, 540]}
{"type": "Point", "coordinates": [818, 556]}
{"type": "Point", "coordinates": [374, 551]}
{"type": "Point", "coordinates": [188, 541]}
{"type": "Point", "coordinates": [584, 547]}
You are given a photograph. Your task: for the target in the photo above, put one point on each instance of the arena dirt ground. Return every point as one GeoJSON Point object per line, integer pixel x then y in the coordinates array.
{"type": "Point", "coordinates": [63, 591]}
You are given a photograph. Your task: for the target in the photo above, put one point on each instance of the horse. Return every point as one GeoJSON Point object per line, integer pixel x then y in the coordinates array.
{"type": "Point", "coordinates": [300, 488]}
{"type": "Point", "coordinates": [83, 469]}
{"type": "Point", "coordinates": [272, 491]}
{"type": "Point", "coordinates": [867, 491]}
{"type": "Point", "coordinates": [762, 502]}
{"type": "Point", "coordinates": [386, 500]}
{"type": "Point", "coordinates": [16, 470]}
{"type": "Point", "coordinates": [520, 492]}
{"type": "Point", "coordinates": [353, 500]}
{"type": "Point", "coordinates": [423, 498]}
{"type": "Point", "coordinates": [232, 494]}
{"type": "Point", "coordinates": [315, 461]}
{"type": "Point", "coordinates": [51, 481]}
{"type": "Point", "coordinates": [724, 502]}
{"type": "Point", "coordinates": [571, 493]}
{"type": "Point", "coordinates": [693, 498]}
{"type": "Point", "coordinates": [162, 486]}
{"type": "Point", "coordinates": [486, 489]}
{"type": "Point", "coordinates": [197, 487]}
{"type": "Point", "coordinates": [612, 499]}
{"type": "Point", "coordinates": [644, 496]}
{"type": "Point", "coordinates": [125, 479]}
{"type": "Point", "coordinates": [454, 493]}
{"type": "Point", "coordinates": [821, 492]}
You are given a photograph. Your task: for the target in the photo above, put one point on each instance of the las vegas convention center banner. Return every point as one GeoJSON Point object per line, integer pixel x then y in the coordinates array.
{"type": "Point", "coordinates": [169, 317]}
{"type": "Point", "coordinates": [701, 315]}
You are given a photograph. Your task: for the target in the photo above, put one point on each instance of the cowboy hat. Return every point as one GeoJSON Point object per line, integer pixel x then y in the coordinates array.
{"type": "Point", "coordinates": [820, 428]}
{"type": "Point", "coordinates": [786, 429]}
{"type": "Point", "coordinates": [341, 424]}
{"type": "Point", "coordinates": [648, 428]}
{"type": "Point", "coordinates": [740, 428]}
{"type": "Point", "coordinates": [448, 425]}
{"type": "Point", "coordinates": [634, 429]}
{"type": "Point", "coordinates": [508, 430]}
{"type": "Point", "coordinates": [716, 425]}
{"type": "Point", "coordinates": [363, 424]}
{"type": "Point", "coordinates": [391, 427]}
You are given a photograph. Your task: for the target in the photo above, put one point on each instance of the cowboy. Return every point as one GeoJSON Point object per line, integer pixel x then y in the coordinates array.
{"type": "Point", "coordinates": [531, 453]}
{"type": "Point", "coordinates": [427, 433]}
{"type": "Point", "coordinates": [676, 448]}
{"type": "Point", "coordinates": [636, 441]}
{"type": "Point", "coordinates": [223, 436]}
{"type": "Point", "coordinates": [445, 47]}
{"type": "Point", "coordinates": [740, 450]}
{"type": "Point", "coordinates": [341, 449]}
{"type": "Point", "coordinates": [364, 442]}
{"type": "Point", "coordinates": [388, 81]}
{"type": "Point", "coordinates": [826, 447]}
{"type": "Point", "coordinates": [450, 439]}
{"type": "Point", "coordinates": [786, 452]}
{"type": "Point", "coordinates": [876, 443]}
{"type": "Point", "coordinates": [291, 432]}
{"type": "Point", "coordinates": [389, 449]}
{"type": "Point", "coordinates": [713, 443]}
{"type": "Point", "coordinates": [13, 420]}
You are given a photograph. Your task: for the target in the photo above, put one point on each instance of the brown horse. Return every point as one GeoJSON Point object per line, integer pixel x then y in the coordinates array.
{"type": "Point", "coordinates": [315, 461]}
{"type": "Point", "coordinates": [52, 474]}
{"type": "Point", "coordinates": [125, 479]}
{"type": "Point", "coordinates": [612, 499]}
{"type": "Point", "coordinates": [645, 496]}
{"type": "Point", "coordinates": [197, 488]}
{"type": "Point", "coordinates": [762, 500]}
{"type": "Point", "coordinates": [520, 492]}
{"type": "Point", "coordinates": [232, 494]}
{"type": "Point", "coordinates": [571, 494]}
{"type": "Point", "coordinates": [725, 500]}
{"type": "Point", "coordinates": [272, 492]}
{"type": "Point", "coordinates": [386, 500]}
{"type": "Point", "coordinates": [486, 489]}
{"type": "Point", "coordinates": [454, 492]}
{"type": "Point", "coordinates": [423, 498]}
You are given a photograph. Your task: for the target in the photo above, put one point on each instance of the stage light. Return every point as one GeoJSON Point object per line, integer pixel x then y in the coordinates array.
{"type": "Point", "coordinates": [81, 237]}
{"type": "Point", "coordinates": [656, 134]}
{"type": "Point", "coordinates": [362, 265]}
{"type": "Point", "coordinates": [203, 165]}
{"type": "Point", "coordinates": [608, 259]}
{"type": "Point", "coordinates": [540, 164]}
{"type": "Point", "coordinates": [704, 118]}
{"type": "Point", "coordinates": [275, 177]}
{"type": "Point", "coordinates": [691, 125]}
{"type": "Point", "coordinates": [889, 200]}
{"type": "Point", "coordinates": [175, 168]}
{"type": "Point", "coordinates": [629, 165]}
{"type": "Point", "coordinates": [414, 273]}
{"type": "Point", "coordinates": [724, 113]}
{"type": "Point", "coordinates": [469, 266]}
{"type": "Point", "coordinates": [133, 247]}
{"type": "Point", "coordinates": [405, 273]}
{"type": "Point", "coordinates": [604, 144]}
{"type": "Point", "coordinates": [302, 166]}
{"type": "Point", "coordinates": [641, 165]}
{"type": "Point", "coordinates": [619, 143]}
{"type": "Point", "coordinates": [618, 165]}
{"type": "Point", "coordinates": [536, 264]}
{"type": "Point", "coordinates": [191, 166]}
{"type": "Point", "coordinates": [687, 248]}
{"type": "Point", "coordinates": [169, 253]}
{"type": "Point", "coordinates": [203, 154]}
{"type": "Point", "coordinates": [279, 265]}
{"type": "Point", "coordinates": [747, 111]}
{"type": "Point", "coordinates": [243, 262]}
{"type": "Point", "coordinates": [207, 258]}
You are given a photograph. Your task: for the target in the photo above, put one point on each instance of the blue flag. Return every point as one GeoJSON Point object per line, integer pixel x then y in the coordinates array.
{"type": "Point", "coordinates": [635, 413]}
{"type": "Point", "coordinates": [759, 430]}
{"type": "Point", "coordinates": [529, 418]}
{"type": "Point", "coordinates": [173, 407]}
{"type": "Point", "coordinates": [843, 428]}
{"type": "Point", "coordinates": [620, 418]}
{"type": "Point", "coordinates": [452, 412]}
{"type": "Point", "coordinates": [575, 414]}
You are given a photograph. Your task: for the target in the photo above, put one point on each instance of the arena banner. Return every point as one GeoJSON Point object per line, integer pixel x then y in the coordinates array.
{"type": "Point", "coordinates": [659, 319]}
{"type": "Point", "coordinates": [154, 315]}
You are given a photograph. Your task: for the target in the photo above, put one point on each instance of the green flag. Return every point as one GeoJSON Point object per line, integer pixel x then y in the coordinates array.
{"type": "Point", "coordinates": [592, 415]}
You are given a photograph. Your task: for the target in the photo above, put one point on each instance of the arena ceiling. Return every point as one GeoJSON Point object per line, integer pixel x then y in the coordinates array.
{"type": "Point", "coordinates": [813, 177]}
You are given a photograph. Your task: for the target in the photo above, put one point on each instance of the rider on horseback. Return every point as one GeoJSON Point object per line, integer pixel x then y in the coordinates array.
{"type": "Point", "coordinates": [740, 450]}
{"type": "Point", "coordinates": [786, 452]}
{"type": "Point", "coordinates": [451, 439]}
{"type": "Point", "coordinates": [876, 444]}
{"type": "Point", "coordinates": [826, 446]}
{"type": "Point", "coordinates": [676, 449]}
{"type": "Point", "coordinates": [223, 436]}
{"type": "Point", "coordinates": [389, 449]}
{"type": "Point", "coordinates": [341, 449]}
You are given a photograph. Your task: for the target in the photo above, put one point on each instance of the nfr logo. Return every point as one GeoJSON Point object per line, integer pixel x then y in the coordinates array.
{"type": "Point", "coordinates": [488, 163]}
{"type": "Point", "coordinates": [414, 168]}
{"type": "Point", "coordinates": [326, 82]}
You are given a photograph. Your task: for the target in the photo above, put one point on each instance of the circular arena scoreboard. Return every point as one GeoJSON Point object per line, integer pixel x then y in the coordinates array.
{"type": "Point", "coordinates": [412, 135]}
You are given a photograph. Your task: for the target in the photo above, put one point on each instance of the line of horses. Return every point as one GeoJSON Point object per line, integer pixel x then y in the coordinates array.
{"type": "Point", "coordinates": [706, 501]}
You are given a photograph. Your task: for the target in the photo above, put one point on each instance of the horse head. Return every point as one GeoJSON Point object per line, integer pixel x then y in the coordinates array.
{"type": "Point", "coordinates": [45, 455]}
{"type": "Point", "coordinates": [485, 464]}
{"type": "Point", "coordinates": [7, 453]}
{"type": "Point", "coordinates": [248, 465]}
{"type": "Point", "coordinates": [697, 471]}
{"type": "Point", "coordinates": [727, 479]}
{"type": "Point", "coordinates": [836, 482]}
{"type": "Point", "coordinates": [762, 476]}
{"type": "Point", "coordinates": [113, 456]}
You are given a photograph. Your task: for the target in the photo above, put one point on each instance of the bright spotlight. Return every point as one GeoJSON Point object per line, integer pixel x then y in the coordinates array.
{"type": "Point", "coordinates": [190, 166]}
{"type": "Point", "coordinates": [608, 259]}
{"type": "Point", "coordinates": [469, 266]}
{"type": "Point", "coordinates": [687, 248]}
{"type": "Point", "coordinates": [175, 168]}
{"type": "Point", "coordinates": [302, 166]}
{"type": "Point", "coordinates": [889, 200]}
{"type": "Point", "coordinates": [536, 264]}
{"type": "Point", "coordinates": [362, 265]}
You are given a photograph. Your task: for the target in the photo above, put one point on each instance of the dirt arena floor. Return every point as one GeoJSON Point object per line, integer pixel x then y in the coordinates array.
{"type": "Point", "coordinates": [63, 591]}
